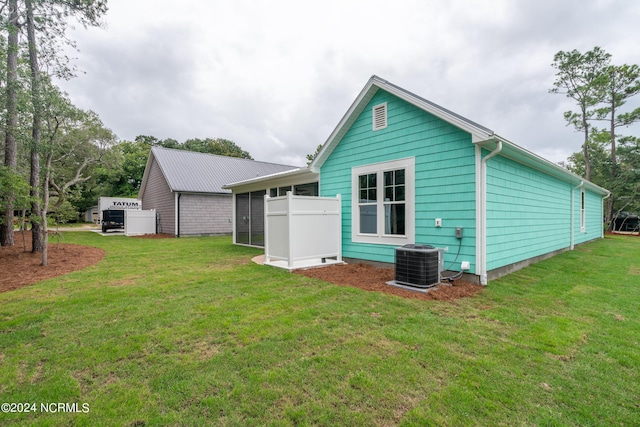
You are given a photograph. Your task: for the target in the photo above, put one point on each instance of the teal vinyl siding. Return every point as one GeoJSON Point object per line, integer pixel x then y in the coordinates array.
{"type": "Point", "coordinates": [528, 213]}
{"type": "Point", "coordinates": [444, 176]}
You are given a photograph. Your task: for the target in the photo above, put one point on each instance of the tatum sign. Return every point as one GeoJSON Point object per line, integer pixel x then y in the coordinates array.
{"type": "Point", "coordinates": [118, 203]}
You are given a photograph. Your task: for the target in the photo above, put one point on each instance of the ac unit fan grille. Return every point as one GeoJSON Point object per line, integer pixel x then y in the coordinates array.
{"type": "Point", "coordinates": [417, 266]}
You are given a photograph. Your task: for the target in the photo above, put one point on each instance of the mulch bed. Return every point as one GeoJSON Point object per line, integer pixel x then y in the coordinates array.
{"type": "Point", "coordinates": [371, 278]}
{"type": "Point", "coordinates": [20, 267]}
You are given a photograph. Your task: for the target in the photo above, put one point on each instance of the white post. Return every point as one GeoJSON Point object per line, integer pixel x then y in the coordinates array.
{"type": "Point", "coordinates": [266, 228]}
{"type": "Point", "coordinates": [289, 233]}
{"type": "Point", "coordinates": [339, 225]}
{"type": "Point", "coordinates": [233, 219]}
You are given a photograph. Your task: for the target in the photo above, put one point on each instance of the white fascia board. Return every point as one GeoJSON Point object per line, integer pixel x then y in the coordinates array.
{"type": "Point", "coordinates": [354, 110]}
{"type": "Point", "coordinates": [301, 176]}
{"type": "Point", "coordinates": [145, 176]}
{"type": "Point", "coordinates": [292, 172]}
{"type": "Point", "coordinates": [477, 132]}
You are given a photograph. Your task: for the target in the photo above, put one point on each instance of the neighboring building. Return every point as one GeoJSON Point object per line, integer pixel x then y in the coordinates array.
{"type": "Point", "coordinates": [410, 171]}
{"type": "Point", "coordinates": [92, 215]}
{"type": "Point", "coordinates": [248, 196]}
{"type": "Point", "coordinates": [185, 189]}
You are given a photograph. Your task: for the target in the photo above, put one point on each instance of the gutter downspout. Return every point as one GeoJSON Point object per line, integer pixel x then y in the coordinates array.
{"type": "Point", "coordinates": [177, 214]}
{"type": "Point", "coordinates": [573, 220]}
{"type": "Point", "coordinates": [482, 262]}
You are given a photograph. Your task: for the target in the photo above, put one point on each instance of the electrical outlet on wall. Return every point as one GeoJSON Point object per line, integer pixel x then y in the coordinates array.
{"type": "Point", "coordinates": [438, 222]}
{"type": "Point", "coordinates": [465, 265]}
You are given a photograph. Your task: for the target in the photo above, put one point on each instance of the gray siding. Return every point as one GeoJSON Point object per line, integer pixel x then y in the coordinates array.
{"type": "Point", "coordinates": [157, 195]}
{"type": "Point", "coordinates": [205, 214]}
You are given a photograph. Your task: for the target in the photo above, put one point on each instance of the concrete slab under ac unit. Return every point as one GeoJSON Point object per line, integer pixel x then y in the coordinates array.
{"type": "Point", "coordinates": [410, 288]}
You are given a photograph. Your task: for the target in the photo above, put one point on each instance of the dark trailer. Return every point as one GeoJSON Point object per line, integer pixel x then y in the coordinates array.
{"type": "Point", "coordinates": [112, 219]}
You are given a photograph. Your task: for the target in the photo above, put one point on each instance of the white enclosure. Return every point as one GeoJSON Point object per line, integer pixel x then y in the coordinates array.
{"type": "Point", "coordinates": [139, 222]}
{"type": "Point", "coordinates": [302, 231]}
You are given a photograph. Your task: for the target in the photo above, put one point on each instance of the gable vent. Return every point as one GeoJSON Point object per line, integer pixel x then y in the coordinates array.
{"type": "Point", "coordinates": [380, 116]}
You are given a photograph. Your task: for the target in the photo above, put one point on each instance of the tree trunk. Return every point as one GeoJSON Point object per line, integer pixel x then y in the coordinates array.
{"type": "Point", "coordinates": [612, 132]}
{"type": "Point", "coordinates": [36, 212]}
{"type": "Point", "coordinates": [10, 148]}
{"type": "Point", "coordinates": [37, 230]}
{"type": "Point", "coordinates": [45, 208]}
{"type": "Point", "coordinates": [585, 146]}
{"type": "Point", "coordinates": [614, 163]}
{"type": "Point", "coordinates": [609, 214]}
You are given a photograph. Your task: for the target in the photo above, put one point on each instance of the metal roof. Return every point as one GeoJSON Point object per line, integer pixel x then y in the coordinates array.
{"type": "Point", "coordinates": [192, 172]}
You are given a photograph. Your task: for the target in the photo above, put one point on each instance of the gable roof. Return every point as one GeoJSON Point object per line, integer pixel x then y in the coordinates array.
{"type": "Point", "coordinates": [193, 172]}
{"type": "Point", "coordinates": [375, 83]}
{"type": "Point", "coordinates": [480, 135]}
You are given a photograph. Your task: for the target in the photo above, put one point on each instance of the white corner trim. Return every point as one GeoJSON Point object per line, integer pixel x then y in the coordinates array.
{"type": "Point", "coordinates": [481, 265]}
{"type": "Point", "coordinates": [176, 206]}
{"type": "Point", "coordinates": [233, 219]}
{"type": "Point", "coordinates": [482, 195]}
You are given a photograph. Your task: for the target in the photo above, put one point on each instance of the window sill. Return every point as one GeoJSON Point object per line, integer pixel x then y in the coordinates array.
{"type": "Point", "coordinates": [381, 239]}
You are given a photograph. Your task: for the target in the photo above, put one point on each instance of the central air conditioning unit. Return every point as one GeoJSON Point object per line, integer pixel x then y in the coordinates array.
{"type": "Point", "coordinates": [418, 266]}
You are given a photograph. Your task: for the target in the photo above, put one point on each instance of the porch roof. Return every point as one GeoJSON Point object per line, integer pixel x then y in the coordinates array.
{"type": "Point", "coordinates": [294, 174]}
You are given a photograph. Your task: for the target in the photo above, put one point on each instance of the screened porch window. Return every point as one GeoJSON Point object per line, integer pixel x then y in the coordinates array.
{"type": "Point", "coordinates": [282, 191]}
{"type": "Point", "coordinates": [307, 189]}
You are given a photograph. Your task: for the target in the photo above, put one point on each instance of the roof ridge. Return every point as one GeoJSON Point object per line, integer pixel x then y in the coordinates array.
{"type": "Point", "coordinates": [178, 150]}
{"type": "Point", "coordinates": [433, 104]}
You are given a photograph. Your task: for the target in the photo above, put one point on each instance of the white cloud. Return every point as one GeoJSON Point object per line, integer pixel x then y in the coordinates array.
{"type": "Point", "coordinates": [277, 76]}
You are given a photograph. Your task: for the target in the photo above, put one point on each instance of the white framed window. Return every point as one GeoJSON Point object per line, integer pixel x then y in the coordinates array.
{"type": "Point", "coordinates": [379, 116]}
{"type": "Point", "coordinates": [583, 224]}
{"type": "Point", "coordinates": [383, 202]}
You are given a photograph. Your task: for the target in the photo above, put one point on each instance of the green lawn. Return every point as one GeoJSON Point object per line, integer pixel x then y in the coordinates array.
{"type": "Point", "coordinates": [188, 332]}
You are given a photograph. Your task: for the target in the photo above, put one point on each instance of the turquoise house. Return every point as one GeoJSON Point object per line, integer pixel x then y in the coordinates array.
{"type": "Point", "coordinates": [409, 171]}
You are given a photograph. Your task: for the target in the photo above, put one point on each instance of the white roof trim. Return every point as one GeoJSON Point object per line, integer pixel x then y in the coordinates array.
{"type": "Point", "coordinates": [294, 172]}
{"type": "Point", "coordinates": [145, 176]}
{"type": "Point", "coordinates": [480, 135]}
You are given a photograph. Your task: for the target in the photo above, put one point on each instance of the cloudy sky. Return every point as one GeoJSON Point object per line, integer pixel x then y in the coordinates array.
{"type": "Point", "coordinates": [276, 76]}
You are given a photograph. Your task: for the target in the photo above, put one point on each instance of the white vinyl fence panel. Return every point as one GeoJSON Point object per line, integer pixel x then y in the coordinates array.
{"type": "Point", "coordinates": [302, 231]}
{"type": "Point", "coordinates": [139, 222]}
